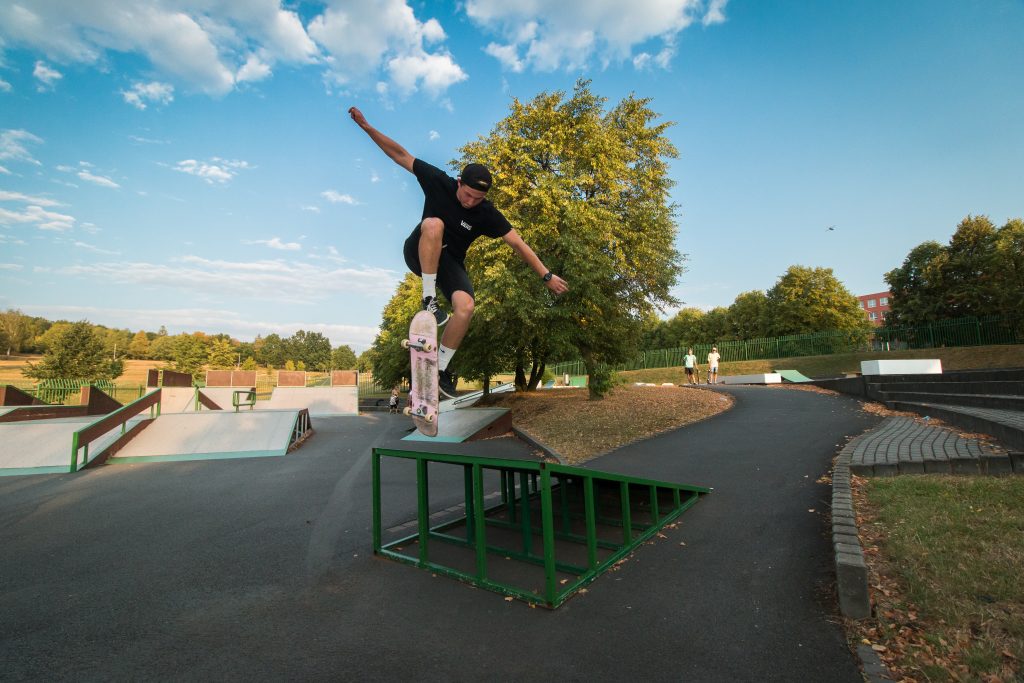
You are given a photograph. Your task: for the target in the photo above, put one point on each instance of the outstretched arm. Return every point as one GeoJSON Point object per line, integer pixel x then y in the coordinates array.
{"type": "Point", "coordinates": [555, 284]}
{"type": "Point", "coordinates": [395, 151]}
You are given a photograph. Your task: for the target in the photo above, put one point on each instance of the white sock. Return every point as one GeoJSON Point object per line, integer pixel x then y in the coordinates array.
{"type": "Point", "coordinates": [429, 284]}
{"type": "Point", "coordinates": [444, 357]}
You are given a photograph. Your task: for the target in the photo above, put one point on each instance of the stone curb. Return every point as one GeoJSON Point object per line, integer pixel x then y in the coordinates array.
{"type": "Point", "coordinates": [851, 570]}
{"type": "Point", "coordinates": [539, 445]}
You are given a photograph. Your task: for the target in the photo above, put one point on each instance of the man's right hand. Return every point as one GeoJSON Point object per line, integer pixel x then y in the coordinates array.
{"type": "Point", "coordinates": [358, 117]}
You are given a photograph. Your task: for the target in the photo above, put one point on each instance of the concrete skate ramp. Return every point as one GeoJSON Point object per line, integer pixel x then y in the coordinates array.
{"type": "Point", "coordinates": [467, 424]}
{"type": "Point", "coordinates": [179, 400]}
{"type": "Point", "coordinates": [211, 435]}
{"type": "Point", "coordinates": [43, 446]}
{"type": "Point", "coordinates": [222, 396]}
{"type": "Point", "coordinates": [319, 401]}
{"type": "Point", "coordinates": [793, 376]}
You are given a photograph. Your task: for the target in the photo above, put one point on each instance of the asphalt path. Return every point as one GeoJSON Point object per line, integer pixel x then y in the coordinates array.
{"type": "Point", "coordinates": [262, 568]}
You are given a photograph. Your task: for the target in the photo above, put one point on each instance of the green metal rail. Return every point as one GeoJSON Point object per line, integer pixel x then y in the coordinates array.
{"type": "Point", "coordinates": [551, 530]}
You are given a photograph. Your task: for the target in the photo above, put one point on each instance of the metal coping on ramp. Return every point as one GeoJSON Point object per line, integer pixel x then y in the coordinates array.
{"type": "Point", "coordinates": [793, 376]}
{"type": "Point", "coordinates": [552, 529]}
{"type": "Point", "coordinates": [467, 424]}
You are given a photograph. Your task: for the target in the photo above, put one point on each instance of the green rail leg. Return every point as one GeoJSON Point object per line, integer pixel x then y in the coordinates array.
{"type": "Point", "coordinates": [423, 509]}
{"type": "Point", "coordinates": [548, 522]}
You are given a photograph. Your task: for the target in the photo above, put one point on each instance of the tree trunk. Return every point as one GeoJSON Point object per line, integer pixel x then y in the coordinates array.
{"type": "Point", "coordinates": [487, 386]}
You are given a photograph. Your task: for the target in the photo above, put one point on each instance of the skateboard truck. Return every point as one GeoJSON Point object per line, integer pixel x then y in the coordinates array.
{"type": "Point", "coordinates": [420, 344]}
{"type": "Point", "coordinates": [421, 412]}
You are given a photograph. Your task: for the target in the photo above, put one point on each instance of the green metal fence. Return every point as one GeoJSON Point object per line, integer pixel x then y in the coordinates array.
{"type": "Point", "coordinates": [944, 333]}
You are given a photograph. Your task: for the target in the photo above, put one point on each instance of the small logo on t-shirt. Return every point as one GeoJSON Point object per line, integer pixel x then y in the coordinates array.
{"type": "Point", "coordinates": [466, 225]}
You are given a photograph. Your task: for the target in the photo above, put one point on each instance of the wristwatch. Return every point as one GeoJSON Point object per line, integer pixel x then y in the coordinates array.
{"type": "Point", "coordinates": [547, 276]}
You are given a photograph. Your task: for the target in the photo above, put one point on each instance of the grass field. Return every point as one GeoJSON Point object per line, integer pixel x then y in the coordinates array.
{"type": "Point", "coordinates": [960, 358]}
{"type": "Point", "coordinates": [946, 555]}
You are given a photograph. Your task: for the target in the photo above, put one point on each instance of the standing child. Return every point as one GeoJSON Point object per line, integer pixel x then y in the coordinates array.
{"type": "Point", "coordinates": [713, 359]}
{"type": "Point", "coordinates": [690, 364]}
{"type": "Point", "coordinates": [393, 402]}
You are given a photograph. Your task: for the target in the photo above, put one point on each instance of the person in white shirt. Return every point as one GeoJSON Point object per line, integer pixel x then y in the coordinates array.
{"type": "Point", "coordinates": [690, 364]}
{"type": "Point", "coordinates": [713, 359]}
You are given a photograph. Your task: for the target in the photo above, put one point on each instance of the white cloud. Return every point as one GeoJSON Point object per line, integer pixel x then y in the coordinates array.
{"type": "Point", "coordinates": [153, 92]}
{"type": "Point", "coordinates": [5, 86]}
{"type": "Point", "coordinates": [12, 145]}
{"type": "Point", "coordinates": [95, 249]}
{"type": "Point", "coordinates": [291, 281]}
{"type": "Point", "coordinates": [217, 170]}
{"type": "Point", "coordinates": [200, 44]}
{"type": "Point", "coordinates": [434, 135]}
{"type": "Point", "coordinates": [276, 243]}
{"type": "Point", "coordinates": [374, 177]}
{"type": "Point", "coordinates": [6, 196]}
{"type": "Point", "coordinates": [11, 266]}
{"type": "Point", "coordinates": [34, 214]}
{"type": "Point", "coordinates": [362, 38]}
{"type": "Point", "coordinates": [98, 180]}
{"type": "Point", "coordinates": [570, 34]}
{"type": "Point", "coordinates": [508, 55]}
{"type": "Point", "coordinates": [335, 197]}
{"type": "Point", "coordinates": [253, 70]}
{"type": "Point", "coordinates": [311, 209]}
{"type": "Point", "coordinates": [4, 170]}
{"type": "Point", "coordinates": [46, 76]}
{"type": "Point", "coordinates": [715, 13]}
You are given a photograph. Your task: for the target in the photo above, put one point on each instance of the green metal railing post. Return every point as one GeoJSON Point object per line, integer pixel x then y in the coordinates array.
{"type": "Point", "coordinates": [423, 508]}
{"type": "Point", "coordinates": [467, 482]}
{"type": "Point", "coordinates": [548, 522]}
{"type": "Point", "coordinates": [525, 515]}
{"type": "Point", "coordinates": [480, 522]}
{"type": "Point", "coordinates": [627, 519]}
{"type": "Point", "coordinates": [591, 521]}
{"type": "Point", "coordinates": [376, 502]}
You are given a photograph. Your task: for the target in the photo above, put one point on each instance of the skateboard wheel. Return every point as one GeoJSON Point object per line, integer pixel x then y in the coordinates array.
{"type": "Point", "coordinates": [407, 411]}
{"type": "Point", "coordinates": [405, 343]}
{"type": "Point", "coordinates": [428, 347]}
{"type": "Point", "coordinates": [429, 418]}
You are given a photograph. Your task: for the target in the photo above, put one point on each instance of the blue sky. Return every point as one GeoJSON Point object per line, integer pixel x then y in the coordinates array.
{"type": "Point", "coordinates": [189, 163]}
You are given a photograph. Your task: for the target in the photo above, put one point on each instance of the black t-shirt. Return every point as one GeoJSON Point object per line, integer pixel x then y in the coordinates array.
{"type": "Point", "coordinates": [461, 226]}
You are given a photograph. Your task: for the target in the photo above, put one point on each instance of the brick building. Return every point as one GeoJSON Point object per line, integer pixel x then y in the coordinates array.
{"type": "Point", "coordinates": [876, 306]}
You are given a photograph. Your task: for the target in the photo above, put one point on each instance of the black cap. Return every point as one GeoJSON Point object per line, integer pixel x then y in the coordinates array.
{"type": "Point", "coordinates": [477, 177]}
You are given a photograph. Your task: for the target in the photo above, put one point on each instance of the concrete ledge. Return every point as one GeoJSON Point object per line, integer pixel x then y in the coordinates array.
{"type": "Point", "coordinates": [765, 378]}
{"type": "Point", "coordinates": [912, 467]}
{"type": "Point", "coordinates": [996, 465]}
{"type": "Point", "coordinates": [902, 366]}
{"type": "Point", "coordinates": [1017, 461]}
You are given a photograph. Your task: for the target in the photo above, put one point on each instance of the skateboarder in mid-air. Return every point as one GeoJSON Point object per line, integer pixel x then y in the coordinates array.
{"type": "Point", "coordinates": [455, 212]}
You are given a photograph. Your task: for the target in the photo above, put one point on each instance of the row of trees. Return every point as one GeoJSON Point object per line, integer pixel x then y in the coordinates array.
{"type": "Point", "coordinates": [802, 301]}
{"type": "Point", "coordinates": [83, 350]}
{"type": "Point", "coordinates": [980, 272]}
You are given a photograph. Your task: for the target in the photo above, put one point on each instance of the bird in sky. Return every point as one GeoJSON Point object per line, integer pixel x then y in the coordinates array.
{"type": "Point", "coordinates": [831, 227]}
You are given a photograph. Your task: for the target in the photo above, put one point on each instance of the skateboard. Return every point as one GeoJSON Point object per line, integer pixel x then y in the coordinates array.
{"type": "Point", "coordinates": [422, 345]}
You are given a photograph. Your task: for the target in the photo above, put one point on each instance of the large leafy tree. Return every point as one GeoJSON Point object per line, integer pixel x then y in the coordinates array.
{"type": "Point", "coordinates": [343, 358]}
{"type": "Point", "coordinates": [75, 351]}
{"type": "Point", "coordinates": [917, 286]}
{"type": "Point", "coordinates": [311, 348]}
{"type": "Point", "coordinates": [980, 272]}
{"type": "Point", "coordinates": [749, 315]}
{"type": "Point", "coordinates": [15, 330]}
{"type": "Point", "coordinates": [807, 300]}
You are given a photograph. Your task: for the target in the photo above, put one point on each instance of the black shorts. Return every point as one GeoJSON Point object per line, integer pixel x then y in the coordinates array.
{"type": "Point", "coordinates": [451, 273]}
{"type": "Point", "coordinates": [689, 371]}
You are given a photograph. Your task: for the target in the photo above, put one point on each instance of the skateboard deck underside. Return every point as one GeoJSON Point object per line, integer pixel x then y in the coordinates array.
{"type": "Point", "coordinates": [423, 364]}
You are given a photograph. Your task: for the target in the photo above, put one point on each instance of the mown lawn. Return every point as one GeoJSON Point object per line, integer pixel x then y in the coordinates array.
{"type": "Point", "coordinates": [946, 556]}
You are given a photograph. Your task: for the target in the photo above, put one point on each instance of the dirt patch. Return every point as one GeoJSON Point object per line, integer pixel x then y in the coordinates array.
{"type": "Point", "coordinates": [812, 388]}
{"type": "Point", "coordinates": [579, 429]}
